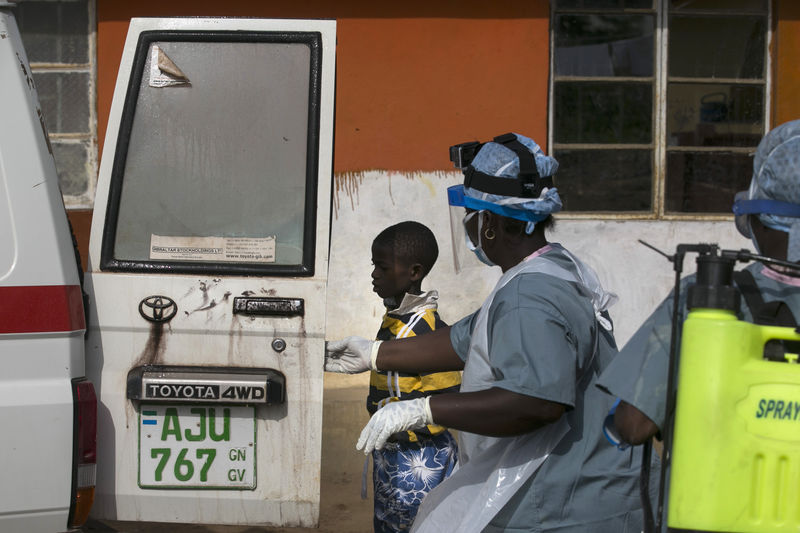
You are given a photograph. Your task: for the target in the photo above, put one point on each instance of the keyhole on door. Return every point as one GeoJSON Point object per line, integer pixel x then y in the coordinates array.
{"type": "Point", "coordinates": [278, 345]}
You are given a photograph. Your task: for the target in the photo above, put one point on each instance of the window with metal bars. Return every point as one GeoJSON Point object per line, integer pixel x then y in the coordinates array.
{"type": "Point", "coordinates": [657, 106]}
{"type": "Point", "coordinates": [58, 38]}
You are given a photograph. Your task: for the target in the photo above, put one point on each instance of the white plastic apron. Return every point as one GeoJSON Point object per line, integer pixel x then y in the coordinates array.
{"type": "Point", "coordinates": [491, 469]}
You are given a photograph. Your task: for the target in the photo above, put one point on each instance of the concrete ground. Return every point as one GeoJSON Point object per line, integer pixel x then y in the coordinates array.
{"type": "Point", "coordinates": [341, 508]}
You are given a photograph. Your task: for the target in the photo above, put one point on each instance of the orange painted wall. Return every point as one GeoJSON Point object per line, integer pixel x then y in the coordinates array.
{"type": "Point", "coordinates": [412, 77]}
{"type": "Point", "coordinates": [786, 48]}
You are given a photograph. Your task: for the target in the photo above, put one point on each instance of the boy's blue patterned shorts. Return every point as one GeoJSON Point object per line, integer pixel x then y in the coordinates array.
{"type": "Point", "coordinates": [404, 472]}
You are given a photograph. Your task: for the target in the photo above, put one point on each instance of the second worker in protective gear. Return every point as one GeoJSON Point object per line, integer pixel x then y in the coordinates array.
{"type": "Point", "coordinates": [769, 214]}
{"type": "Point", "coordinates": [532, 454]}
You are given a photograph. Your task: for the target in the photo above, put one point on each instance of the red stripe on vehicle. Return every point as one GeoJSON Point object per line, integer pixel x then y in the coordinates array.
{"type": "Point", "coordinates": [41, 309]}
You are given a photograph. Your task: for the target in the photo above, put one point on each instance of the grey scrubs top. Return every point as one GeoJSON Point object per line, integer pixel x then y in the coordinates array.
{"type": "Point", "coordinates": [542, 335]}
{"type": "Point", "coordinates": [638, 375]}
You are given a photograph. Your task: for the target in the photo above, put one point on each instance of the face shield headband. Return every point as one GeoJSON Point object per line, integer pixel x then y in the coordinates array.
{"type": "Point", "coordinates": [457, 198]}
{"type": "Point", "coordinates": [766, 207]}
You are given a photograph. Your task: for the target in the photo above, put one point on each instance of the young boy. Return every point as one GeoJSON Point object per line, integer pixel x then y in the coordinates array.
{"type": "Point", "coordinates": [413, 462]}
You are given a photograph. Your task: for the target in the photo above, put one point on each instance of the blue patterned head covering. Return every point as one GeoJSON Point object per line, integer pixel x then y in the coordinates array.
{"type": "Point", "coordinates": [498, 160]}
{"type": "Point", "coordinates": [774, 193]}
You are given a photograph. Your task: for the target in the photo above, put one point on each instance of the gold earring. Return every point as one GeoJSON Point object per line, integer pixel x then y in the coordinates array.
{"type": "Point", "coordinates": [486, 234]}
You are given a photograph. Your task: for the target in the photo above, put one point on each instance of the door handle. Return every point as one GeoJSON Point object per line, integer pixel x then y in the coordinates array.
{"type": "Point", "coordinates": [268, 306]}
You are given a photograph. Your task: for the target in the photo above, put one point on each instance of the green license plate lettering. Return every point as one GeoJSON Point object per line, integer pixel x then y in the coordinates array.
{"type": "Point", "coordinates": [209, 453]}
{"type": "Point", "coordinates": [164, 453]}
{"type": "Point", "coordinates": [183, 467]}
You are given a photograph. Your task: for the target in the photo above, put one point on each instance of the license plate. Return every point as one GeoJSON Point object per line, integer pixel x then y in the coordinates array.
{"type": "Point", "coordinates": [197, 446]}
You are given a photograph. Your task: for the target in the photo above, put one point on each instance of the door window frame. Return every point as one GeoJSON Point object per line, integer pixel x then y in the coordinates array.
{"type": "Point", "coordinates": [107, 260]}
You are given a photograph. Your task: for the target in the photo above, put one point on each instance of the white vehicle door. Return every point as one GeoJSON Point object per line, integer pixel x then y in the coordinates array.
{"type": "Point", "coordinates": [208, 269]}
{"type": "Point", "coordinates": [47, 407]}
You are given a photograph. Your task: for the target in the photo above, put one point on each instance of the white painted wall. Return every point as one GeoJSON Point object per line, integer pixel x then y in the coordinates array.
{"type": "Point", "coordinates": [364, 204]}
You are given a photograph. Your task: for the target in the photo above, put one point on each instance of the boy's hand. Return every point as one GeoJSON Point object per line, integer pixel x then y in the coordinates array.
{"type": "Point", "coordinates": [351, 355]}
{"type": "Point", "coordinates": [393, 417]}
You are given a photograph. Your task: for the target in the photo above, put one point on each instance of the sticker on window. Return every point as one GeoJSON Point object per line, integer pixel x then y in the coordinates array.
{"type": "Point", "coordinates": [163, 71]}
{"type": "Point", "coordinates": [213, 249]}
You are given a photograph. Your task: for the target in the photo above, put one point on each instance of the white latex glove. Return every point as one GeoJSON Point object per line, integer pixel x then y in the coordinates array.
{"type": "Point", "coordinates": [392, 418]}
{"type": "Point", "coordinates": [351, 355]}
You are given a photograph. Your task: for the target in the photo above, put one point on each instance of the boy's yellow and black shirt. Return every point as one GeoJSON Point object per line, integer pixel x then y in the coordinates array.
{"type": "Point", "coordinates": [416, 315]}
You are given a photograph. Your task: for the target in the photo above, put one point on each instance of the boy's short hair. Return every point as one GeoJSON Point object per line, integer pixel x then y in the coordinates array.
{"type": "Point", "coordinates": [412, 242]}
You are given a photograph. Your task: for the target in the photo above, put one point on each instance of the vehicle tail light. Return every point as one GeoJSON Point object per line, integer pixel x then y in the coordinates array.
{"type": "Point", "coordinates": [84, 460]}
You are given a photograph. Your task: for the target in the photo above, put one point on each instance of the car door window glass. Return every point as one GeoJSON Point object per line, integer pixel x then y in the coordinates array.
{"type": "Point", "coordinates": [217, 167]}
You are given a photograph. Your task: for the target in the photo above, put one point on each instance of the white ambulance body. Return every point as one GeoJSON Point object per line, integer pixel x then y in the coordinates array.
{"type": "Point", "coordinates": [47, 407]}
{"type": "Point", "coordinates": [207, 272]}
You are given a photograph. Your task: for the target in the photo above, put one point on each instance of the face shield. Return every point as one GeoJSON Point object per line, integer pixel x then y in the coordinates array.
{"type": "Point", "coordinates": [466, 220]}
{"type": "Point", "coordinates": [463, 246]}
{"type": "Point", "coordinates": [774, 214]}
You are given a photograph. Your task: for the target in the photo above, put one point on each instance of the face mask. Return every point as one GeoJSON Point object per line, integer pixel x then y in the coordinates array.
{"type": "Point", "coordinates": [476, 249]}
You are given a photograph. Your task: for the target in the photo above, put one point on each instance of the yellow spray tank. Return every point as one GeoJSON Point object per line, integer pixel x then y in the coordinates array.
{"type": "Point", "coordinates": [735, 446]}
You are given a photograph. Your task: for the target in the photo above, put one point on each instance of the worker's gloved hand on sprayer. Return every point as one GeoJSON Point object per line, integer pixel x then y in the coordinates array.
{"type": "Point", "coordinates": [351, 355]}
{"type": "Point", "coordinates": [392, 418]}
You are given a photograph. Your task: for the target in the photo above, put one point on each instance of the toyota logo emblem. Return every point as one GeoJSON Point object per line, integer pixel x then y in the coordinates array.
{"type": "Point", "coordinates": [157, 309]}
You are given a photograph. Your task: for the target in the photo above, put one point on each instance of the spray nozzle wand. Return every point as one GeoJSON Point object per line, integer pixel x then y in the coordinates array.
{"type": "Point", "coordinates": [744, 256]}
{"type": "Point", "coordinates": [741, 256]}
{"type": "Point", "coordinates": [682, 249]}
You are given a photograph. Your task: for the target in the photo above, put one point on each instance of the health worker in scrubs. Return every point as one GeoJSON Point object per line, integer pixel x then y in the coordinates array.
{"type": "Point", "coordinates": [768, 213]}
{"type": "Point", "coordinates": [532, 453]}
